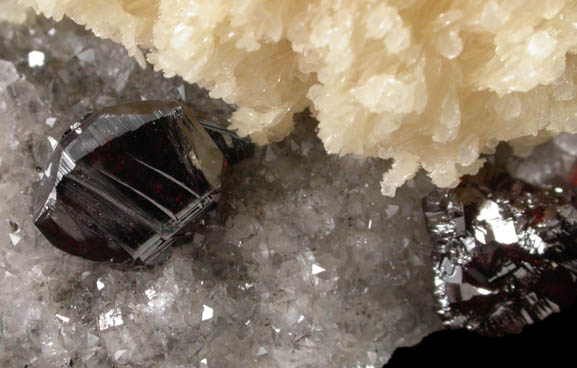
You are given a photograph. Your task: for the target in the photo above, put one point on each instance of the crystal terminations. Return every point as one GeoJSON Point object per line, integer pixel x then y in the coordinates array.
{"type": "Point", "coordinates": [505, 253]}
{"type": "Point", "coordinates": [125, 180]}
{"type": "Point", "coordinates": [431, 84]}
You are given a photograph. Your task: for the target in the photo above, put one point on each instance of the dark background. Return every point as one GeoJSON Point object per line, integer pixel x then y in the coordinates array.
{"type": "Point", "coordinates": [548, 343]}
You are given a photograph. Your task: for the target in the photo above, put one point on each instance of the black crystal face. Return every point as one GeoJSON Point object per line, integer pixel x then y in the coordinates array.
{"type": "Point", "coordinates": [505, 252]}
{"type": "Point", "coordinates": [125, 180]}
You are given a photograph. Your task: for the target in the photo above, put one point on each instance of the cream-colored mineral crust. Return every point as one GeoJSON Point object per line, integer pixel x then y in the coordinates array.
{"type": "Point", "coordinates": [11, 11]}
{"type": "Point", "coordinates": [431, 84]}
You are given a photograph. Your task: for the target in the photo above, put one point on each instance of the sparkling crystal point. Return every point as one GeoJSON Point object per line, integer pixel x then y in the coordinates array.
{"type": "Point", "coordinates": [125, 180]}
{"type": "Point", "coordinates": [505, 252]}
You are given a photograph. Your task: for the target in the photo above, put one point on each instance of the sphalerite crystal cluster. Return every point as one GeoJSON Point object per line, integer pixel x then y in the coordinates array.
{"type": "Point", "coordinates": [505, 251]}
{"type": "Point", "coordinates": [124, 181]}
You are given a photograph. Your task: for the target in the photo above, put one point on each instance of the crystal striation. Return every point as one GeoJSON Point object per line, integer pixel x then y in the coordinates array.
{"type": "Point", "coordinates": [125, 180]}
{"type": "Point", "coordinates": [505, 251]}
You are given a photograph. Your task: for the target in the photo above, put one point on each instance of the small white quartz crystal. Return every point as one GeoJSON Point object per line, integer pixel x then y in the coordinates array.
{"type": "Point", "coordinates": [430, 84]}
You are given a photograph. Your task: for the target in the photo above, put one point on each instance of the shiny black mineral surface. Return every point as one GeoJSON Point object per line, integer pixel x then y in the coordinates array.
{"type": "Point", "coordinates": [125, 180]}
{"type": "Point", "coordinates": [505, 252]}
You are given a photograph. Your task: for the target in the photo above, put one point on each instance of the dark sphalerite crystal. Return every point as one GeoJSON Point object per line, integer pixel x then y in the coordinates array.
{"type": "Point", "coordinates": [505, 252]}
{"type": "Point", "coordinates": [125, 180]}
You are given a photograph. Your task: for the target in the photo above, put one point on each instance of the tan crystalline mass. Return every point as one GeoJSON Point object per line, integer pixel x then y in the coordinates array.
{"type": "Point", "coordinates": [10, 11]}
{"type": "Point", "coordinates": [431, 84]}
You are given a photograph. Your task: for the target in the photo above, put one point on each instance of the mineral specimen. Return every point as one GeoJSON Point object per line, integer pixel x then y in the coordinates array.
{"type": "Point", "coordinates": [313, 267]}
{"type": "Point", "coordinates": [505, 252]}
{"type": "Point", "coordinates": [125, 180]}
{"type": "Point", "coordinates": [431, 84]}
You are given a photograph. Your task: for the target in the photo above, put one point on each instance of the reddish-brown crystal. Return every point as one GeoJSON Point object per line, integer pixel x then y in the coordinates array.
{"type": "Point", "coordinates": [126, 179]}
{"type": "Point", "coordinates": [505, 252]}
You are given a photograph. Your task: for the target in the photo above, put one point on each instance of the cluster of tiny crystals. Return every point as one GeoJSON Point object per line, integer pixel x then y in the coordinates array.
{"type": "Point", "coordinates": [430, 84]}
{"type": "Point", "coordinates": [504, 250]}
{"type": "Point", "coordinates": [307, 264]}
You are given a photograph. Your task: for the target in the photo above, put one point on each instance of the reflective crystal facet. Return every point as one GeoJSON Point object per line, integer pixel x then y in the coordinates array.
{"type": "Point", "coordinates": [125, 180]}
{"type": "Point", "coordinates": [505, 252]}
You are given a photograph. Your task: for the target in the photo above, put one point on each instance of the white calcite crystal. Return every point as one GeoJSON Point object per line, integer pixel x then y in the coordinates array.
{"type": "Point", "coordinates": [430, 84]}
{"type": "Point", "coordinates": [307, 264]}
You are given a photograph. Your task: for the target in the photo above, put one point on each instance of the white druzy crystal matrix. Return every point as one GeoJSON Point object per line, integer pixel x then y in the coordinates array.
{"type": "Point", "coordinates": [429, 84]}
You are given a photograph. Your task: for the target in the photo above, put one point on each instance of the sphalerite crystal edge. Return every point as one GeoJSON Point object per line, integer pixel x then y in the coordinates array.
{"type": "Point", "coordinates": [125, 180]}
